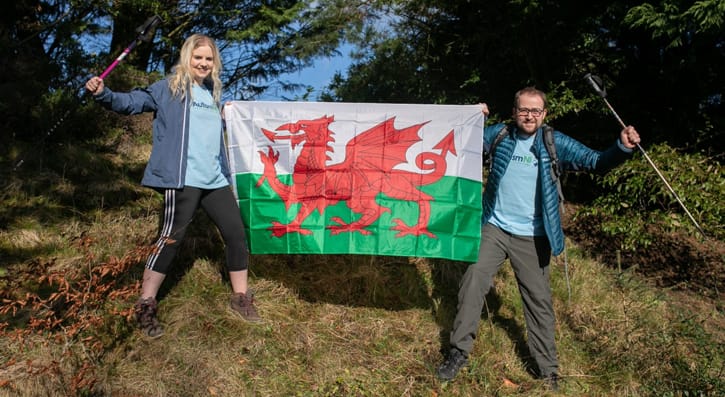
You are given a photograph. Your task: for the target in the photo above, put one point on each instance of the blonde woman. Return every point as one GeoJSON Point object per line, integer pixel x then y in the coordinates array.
{"type": "Point", "coordinates": [188, 165]}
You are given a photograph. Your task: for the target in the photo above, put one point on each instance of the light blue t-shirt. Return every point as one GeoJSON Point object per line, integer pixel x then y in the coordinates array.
{"type": "Point", "coordinates": [518, 206]}
{"type": "Point", "coordinates": [203, 161]}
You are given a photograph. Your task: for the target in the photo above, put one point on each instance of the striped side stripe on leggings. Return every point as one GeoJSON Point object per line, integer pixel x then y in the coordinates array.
{"type": "Point", "coordinates": [169, 209]}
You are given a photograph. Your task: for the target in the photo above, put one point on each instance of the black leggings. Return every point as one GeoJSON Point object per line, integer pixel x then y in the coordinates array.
{"type": "Point", "coordinates": [178, 211]}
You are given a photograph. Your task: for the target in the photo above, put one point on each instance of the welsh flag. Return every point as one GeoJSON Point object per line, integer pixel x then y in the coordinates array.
{"type": "Point", "coordinates": [358, 178]}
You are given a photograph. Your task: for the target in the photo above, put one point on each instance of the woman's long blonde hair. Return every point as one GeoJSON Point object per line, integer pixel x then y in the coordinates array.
{"type": "Point", "coordinates": [182, 78]}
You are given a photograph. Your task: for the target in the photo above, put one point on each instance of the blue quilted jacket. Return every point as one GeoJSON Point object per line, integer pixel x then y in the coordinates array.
{"type": "Point", "coordinates": [572, 155]}
{"type": "Point", "coordinates": [166, 168]}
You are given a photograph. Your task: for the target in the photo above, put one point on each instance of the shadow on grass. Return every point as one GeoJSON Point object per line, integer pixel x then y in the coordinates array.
{"type": "Point", "coordinates": [386, 282]}
{"type": "Point", "coordinates": [391, 283]}
{"type": "Point", "coordinates": [72, 183]}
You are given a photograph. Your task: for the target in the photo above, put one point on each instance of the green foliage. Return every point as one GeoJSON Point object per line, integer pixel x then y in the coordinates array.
{"type": "Point", "coordinates": [672, 21]}
{"type": "Point", "coordinates": [636, 199]}
{"type": "Point", "coordinates": [563, 100]}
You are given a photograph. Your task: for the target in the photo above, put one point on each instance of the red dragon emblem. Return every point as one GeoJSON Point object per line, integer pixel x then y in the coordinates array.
{"type": "Point", "coordinates": [369, 168]}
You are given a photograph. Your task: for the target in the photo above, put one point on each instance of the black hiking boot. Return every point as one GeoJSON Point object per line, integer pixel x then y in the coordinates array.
{"type": "Point", "coordinates": [449, 369]}
{"type": "Point", "coordinates": [243, 304]}
{"type": "Point", "coordinates": [551, 381]}
{"type": "Point", "coordinates": [145, 310]}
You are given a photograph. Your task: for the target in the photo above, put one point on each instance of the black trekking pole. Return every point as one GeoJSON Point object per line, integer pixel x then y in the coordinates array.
{"type": "Point", "coordinates": [598, 86]}
{"type": "Point", "coordinates": [145, 33]}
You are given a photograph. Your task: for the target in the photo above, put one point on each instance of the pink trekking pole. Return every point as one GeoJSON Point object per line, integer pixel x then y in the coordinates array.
{"type": "Point", "coordinates": [145, 33]}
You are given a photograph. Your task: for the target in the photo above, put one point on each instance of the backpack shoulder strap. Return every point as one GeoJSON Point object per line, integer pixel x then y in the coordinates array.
{"type": "Point", "coordinates": [551, 149]}
{"type": "Point", "coordinates": [555, 167]}
{"type": "Point", "coordinates": [505, 130]}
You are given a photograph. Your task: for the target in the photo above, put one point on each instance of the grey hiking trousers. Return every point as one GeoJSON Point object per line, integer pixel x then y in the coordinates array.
{"type": "Point", "coordinates": [529, 258]}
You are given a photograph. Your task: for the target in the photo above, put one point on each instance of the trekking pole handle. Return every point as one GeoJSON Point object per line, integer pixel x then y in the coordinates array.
{"type": "Point", "coordinates": [597, 84]}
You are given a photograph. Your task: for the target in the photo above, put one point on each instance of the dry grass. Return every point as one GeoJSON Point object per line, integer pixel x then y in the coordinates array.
{"type": "Point", "coordinates": [326, 347]}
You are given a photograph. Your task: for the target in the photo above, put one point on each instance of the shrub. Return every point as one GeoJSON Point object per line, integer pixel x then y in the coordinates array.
{"type": "Point", "coordinates": [636, 198]}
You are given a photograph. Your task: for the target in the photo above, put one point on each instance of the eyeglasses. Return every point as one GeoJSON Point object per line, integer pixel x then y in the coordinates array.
{"type": "Point", "coordinates": [536, 112]}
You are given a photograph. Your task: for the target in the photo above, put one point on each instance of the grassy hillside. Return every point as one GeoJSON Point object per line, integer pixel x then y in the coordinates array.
{"type": "Point", "coordinates": [75, 230]}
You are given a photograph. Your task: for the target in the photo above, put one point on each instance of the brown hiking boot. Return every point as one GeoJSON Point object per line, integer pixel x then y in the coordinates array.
{"type": "Point", "coordinates": [244, 305]}
{"type": "Point", "coordinates": [145, 310]}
